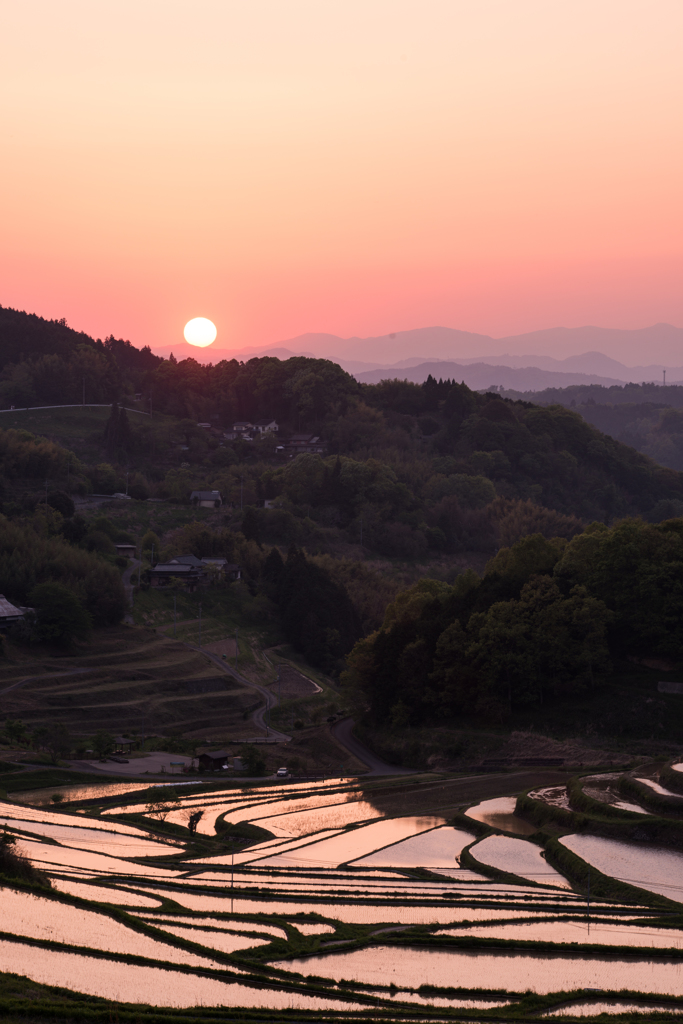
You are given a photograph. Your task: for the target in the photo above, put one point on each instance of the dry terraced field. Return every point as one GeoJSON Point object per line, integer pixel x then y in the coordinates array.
{"type": "Point", "coordinates": [123, 678]}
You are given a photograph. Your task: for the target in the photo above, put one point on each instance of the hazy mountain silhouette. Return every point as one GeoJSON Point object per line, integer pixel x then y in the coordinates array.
{"type": "Point", "coordinates": [608, 353]}
{"type": "Point", "coordinates": [479, 376]}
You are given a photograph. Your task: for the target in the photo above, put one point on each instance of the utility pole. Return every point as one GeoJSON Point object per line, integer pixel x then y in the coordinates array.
{"type": "Point", "coordinates": [664, 379]}
{"type": "Point", "coordinates": [126, 481]}
{"type": "Point", "coordinates": [241, 493]}
{"type": "Point", "coordinates": [200, 623]}
{"type": "Point", "coordinates": [46, 492]}
{"type": "Point", "coordinates": [237, 650]}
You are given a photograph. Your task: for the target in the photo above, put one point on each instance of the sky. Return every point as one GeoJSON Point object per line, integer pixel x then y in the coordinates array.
{"type": "Point", "coordinates": [354, 167]}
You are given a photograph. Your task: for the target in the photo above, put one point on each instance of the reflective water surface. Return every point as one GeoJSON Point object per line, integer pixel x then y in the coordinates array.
{"type": "Point", "coordinates": [361, 871]}
{"type": "Point", "coordinates": [349, 845]}
{"type": "Point", "coordinates": [519, 858]}
{"type": "Point", "coordinates": [598, 933]}
{"type": "Point", "coordinates": [514, 971]}
{"type": "Point", "coordinates": [656, 869]}
{"type": "Point", "coordinates": [119, 897]}
{"type": "Point", "coordinates": [40, 918]}
{"type": "Point", "coordinates": [438, 848]}
{"type": "Point", "coordinates": [593, 1009]}
{"type": "Point", "coordinates": [500, 813]}
{"type": "Point", "coordinates": [128, 983]}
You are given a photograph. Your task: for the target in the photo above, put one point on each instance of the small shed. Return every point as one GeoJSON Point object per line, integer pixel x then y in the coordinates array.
{"type": "Point", "coordinates": [213, 760]}
{"type": "Point", "coordinates": [121, 743]}
{"type": "Point", "coordinates": [127, 550]}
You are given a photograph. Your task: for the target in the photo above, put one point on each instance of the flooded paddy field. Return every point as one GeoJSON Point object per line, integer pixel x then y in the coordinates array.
{"type": "Point", "coordinates": [500, 813]}
{"type": "Point", "coordinates": [519, 858]}
{"type": "Point", "coordinates": [658, 870]}
{"type": "Point", "coordinates": [319, 917]}
{"type": "Point", "coordinates": [514, 970]}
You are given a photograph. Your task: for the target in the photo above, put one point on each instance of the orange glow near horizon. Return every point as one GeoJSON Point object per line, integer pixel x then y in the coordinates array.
{"type": "Point", "coordinates": [353, 167]}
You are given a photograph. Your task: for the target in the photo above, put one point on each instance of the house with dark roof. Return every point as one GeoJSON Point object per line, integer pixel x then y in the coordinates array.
{"type": "Point", "coordinates": [190, 571]}
{"type": "Point", "coordinates": [212, 760]}
{"type": "Point", "coordinates": [303, 443]}
{"type": "Point", "coordinates": [10, 613]}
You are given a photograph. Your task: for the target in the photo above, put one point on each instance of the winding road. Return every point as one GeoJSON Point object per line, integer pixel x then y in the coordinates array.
{"type": "Point", "coordinates": [343, 733]}
{"type": "Point", "coordinates": [259, 715]}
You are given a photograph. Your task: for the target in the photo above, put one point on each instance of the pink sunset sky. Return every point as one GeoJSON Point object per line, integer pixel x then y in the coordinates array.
{"type": "Point", "coordinates": [345, 166]}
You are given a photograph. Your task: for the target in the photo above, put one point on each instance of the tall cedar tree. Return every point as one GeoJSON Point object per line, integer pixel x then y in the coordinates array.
{"type": "Point", "coordinates": [318, 617]}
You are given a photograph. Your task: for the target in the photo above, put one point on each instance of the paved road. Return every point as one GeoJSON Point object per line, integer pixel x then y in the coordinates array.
{"type": "Point", "coordinates": [343, 733]}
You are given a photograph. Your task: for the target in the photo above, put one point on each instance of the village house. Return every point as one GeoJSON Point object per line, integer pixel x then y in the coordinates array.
{"type": "Point", "coordinates": [299, 443]}
{"type": "Point", "coordinates": [191, 572]}
{"type": "Point", "coordinates": [10, 613]}
{"type": "Point", "coordinates": [266, 427]}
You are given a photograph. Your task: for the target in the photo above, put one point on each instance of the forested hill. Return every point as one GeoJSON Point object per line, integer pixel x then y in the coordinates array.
{"type": "Point", "coordinates": [647, 417]}
{"type": "Point", "coordinates": [46, 362]}
{"type": "Point", "coordinates": [431, 466]}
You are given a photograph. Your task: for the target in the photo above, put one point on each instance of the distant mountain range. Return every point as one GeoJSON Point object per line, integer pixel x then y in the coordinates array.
{"type": "Point", "coordinates": [482, 361]}
{"type": "Point", "coordinates": [480, 376]}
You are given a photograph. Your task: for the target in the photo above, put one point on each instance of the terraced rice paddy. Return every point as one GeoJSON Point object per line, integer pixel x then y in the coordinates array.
{"type": "Point", "coordinates": [344, 891]}
{"type": "Point", "coordinates": [519, 858]}
{"type": "Point", "coordinates": [500, 813]}
{"type": "Point", "coordinates": [513, 970]}
{"type": "Point", "coordinates": [657, 870]}
{"type": "Point", "coordinates": [604, 788]}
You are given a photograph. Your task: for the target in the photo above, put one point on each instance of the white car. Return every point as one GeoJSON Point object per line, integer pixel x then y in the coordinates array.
{"type": "Point", "coordinates": [282, 773]}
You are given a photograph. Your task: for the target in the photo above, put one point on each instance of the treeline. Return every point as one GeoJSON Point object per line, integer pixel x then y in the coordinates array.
{"type": "Point", "coordinates": [322, 604]}
{"type": "Point", "coordinates": [45, 362]}
{"type": "Point", "coordinates": [544, 623]}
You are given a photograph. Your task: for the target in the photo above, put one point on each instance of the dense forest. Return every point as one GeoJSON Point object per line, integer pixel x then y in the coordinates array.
{"type": "Point", "coordinates": [647, 417]}
{"type": "Point", "coordinates": [545, 623]}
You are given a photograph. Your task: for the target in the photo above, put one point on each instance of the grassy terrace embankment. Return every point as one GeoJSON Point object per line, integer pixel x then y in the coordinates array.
{"type": "Point", "coordinates": [124, 677]}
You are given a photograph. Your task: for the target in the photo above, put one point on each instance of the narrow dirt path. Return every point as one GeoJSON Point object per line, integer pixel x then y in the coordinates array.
{"type": "Point", "coordinates": [45, 675]}
{"type": "Point", "coordinates": [129, 587]}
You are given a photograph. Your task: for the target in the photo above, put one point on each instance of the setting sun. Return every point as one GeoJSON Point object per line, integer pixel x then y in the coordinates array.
{"type": "Point", "coordinates": [200, 332]}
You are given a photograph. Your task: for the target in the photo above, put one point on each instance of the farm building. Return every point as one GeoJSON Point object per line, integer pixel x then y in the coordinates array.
{"type": "Point", "coordinates": [213, 760]}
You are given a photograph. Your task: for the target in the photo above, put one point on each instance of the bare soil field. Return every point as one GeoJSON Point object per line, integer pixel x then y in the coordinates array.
{"type": "Point", "coordinates": [222, 647]}
{"type": "Point", "coordinates": [293, 684]}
